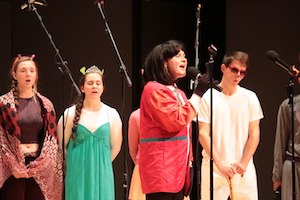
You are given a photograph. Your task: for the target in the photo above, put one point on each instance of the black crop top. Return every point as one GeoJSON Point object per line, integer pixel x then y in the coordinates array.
{"type": "Point", "coordinates": [31, 120]}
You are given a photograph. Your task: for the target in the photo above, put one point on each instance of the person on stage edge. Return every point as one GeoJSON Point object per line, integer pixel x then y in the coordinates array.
{"type": "Point", "coordinates": [31, 164]}
{"type": "Point", "coordinates": [165, 117]}
{"type": "Point", "coordinates": [93, 139]}
{"type": "Point", "coordinates": [282, 168]}
{"type": "Point", "coordinates": [236, 134]}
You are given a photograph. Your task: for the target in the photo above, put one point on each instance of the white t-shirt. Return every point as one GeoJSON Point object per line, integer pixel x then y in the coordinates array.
{"type": "Point", "coordinates": [231, 117]}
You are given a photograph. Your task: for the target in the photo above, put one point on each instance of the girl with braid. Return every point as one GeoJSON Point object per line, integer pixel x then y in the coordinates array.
{"type": "Point", "coordinates": [30, 161]}
{"type": "Point", "coordinates": [93, 139]}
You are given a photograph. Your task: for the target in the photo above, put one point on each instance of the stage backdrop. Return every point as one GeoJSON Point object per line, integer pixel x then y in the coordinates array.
{"type": "Point", "coordinates": [78, 31]}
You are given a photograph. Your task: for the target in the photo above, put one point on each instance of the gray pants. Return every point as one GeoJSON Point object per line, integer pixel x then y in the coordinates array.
{"type": "Point", "coordinates": [286, 188]}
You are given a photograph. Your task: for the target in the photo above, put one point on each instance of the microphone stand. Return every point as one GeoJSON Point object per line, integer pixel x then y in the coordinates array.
{"type": "Point", "coordinates": [62, 62]}
{"type": "Point", "coordinates": [195, 82]}
{"type": "Point", "coordinates": [291, 102]}
{"type": "Point", "coordinates": [197, 37]}
{"type": "Point", "coordinates": [63, 68]}
{"type": "Point", "coordinates": [122, 65]}
{"type": "Point", "coordinates": [123, 72]}
{"type": "Point", "coordinates": [209, 68]}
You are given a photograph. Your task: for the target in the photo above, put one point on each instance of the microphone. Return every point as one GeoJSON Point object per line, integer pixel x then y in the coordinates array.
{"type": "Point", "coordinates": [194, 73]}
{"type": "Point", "coordinates": [274, 57]}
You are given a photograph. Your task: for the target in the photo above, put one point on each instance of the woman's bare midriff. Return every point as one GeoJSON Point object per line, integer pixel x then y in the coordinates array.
{"type": "Point", "coordinates": [29, 148]}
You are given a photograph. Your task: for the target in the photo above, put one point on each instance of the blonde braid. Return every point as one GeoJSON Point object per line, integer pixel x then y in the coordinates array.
{"type": "Point", "coordinates": [15, 91]}
{"type": "Point", "coordinates": [78, 109]}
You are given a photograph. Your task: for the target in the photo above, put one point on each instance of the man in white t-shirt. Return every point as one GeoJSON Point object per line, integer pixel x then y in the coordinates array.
{"type": "Point", "coordinates": [236, 134]}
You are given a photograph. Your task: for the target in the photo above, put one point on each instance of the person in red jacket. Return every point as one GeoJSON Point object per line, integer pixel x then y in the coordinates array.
{"type": "Point", "coordinates": [165, 117]}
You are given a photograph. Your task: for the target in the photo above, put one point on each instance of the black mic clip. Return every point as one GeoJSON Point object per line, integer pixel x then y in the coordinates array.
{"type": "Point", "coordinates": [30, 4]}
{"type": "Point", "coordinates": [212, 50]}
{"type": "Point", "coordinates": [99, 1]}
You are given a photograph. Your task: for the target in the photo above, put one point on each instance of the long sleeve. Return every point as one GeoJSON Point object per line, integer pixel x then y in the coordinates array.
{"type": "Point", "coordinates": [165, 116]}
{"type": "Point", "coordinates": [283, 138]}
{"type": "Point", "coordinates": [283, 130]}
{"type": "Point", "coordinates": [168, 112]}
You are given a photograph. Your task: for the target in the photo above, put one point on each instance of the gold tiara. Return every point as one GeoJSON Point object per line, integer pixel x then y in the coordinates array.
{"type": "Point", "coordinates": [91, 69]}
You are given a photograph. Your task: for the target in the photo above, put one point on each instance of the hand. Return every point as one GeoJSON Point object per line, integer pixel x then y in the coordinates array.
{"type": "Point", "coordinates": [227, 170]}
{"type": "Point", "coordinates": [240, 168]}
{"type": "Point", "coordinates": [203, 85]}
{"type": "Point", "coordinates": [21, 175]}
{"type": "Point", "coordinates": [276, 185]}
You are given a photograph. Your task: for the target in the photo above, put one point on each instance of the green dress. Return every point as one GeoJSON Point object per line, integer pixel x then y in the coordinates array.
{"type": "Point", "coordinates": [89, 173]}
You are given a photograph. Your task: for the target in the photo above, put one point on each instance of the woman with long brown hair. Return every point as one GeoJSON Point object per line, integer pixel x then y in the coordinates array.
{"type": "Point", "coordinates": [93, 139]}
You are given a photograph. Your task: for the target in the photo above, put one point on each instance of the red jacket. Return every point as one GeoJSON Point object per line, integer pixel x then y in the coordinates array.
{"type": "Point", "coordinates": [164, 139]}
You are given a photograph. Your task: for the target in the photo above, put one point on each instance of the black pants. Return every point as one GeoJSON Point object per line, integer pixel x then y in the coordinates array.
{"type": "Point", "coordinates": [165, 196]}
{"type": "Point", "coordinates": [22, 188]}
